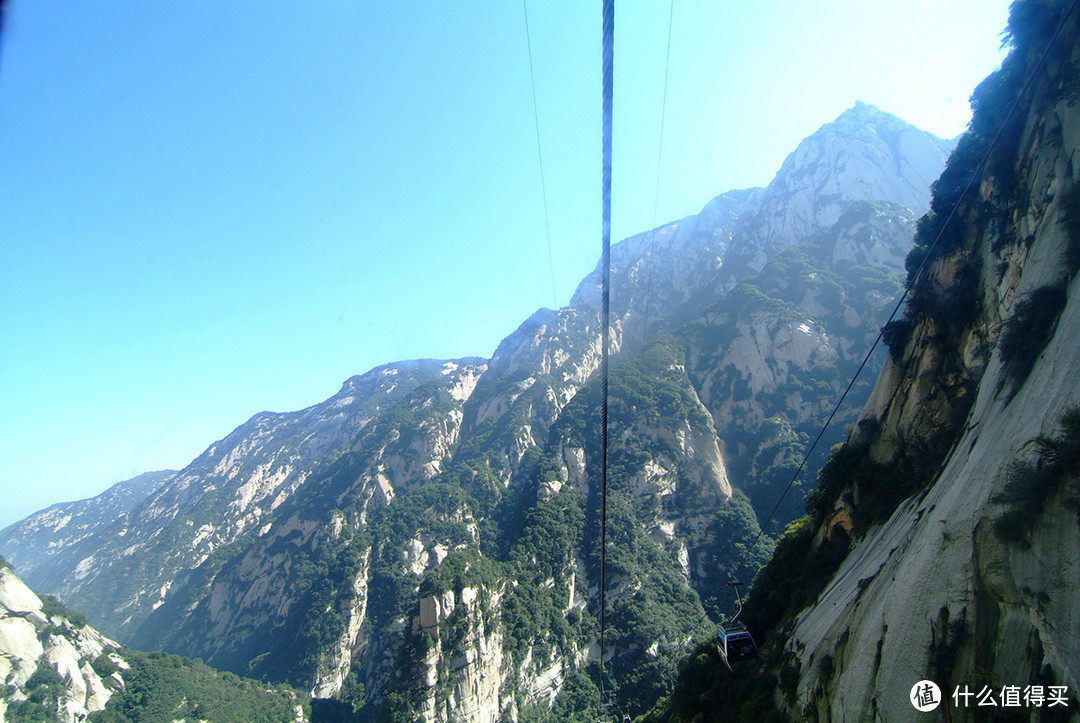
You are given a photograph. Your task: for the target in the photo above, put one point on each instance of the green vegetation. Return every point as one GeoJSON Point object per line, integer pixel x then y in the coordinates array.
{"type": "Point", "coordinates": [734, 529]}
{"type": "Point", "coordinates": [989, 150]}
{"type": "Point", "coordinates": [953, 307]}
{"type": "Point", "coordinates": [548, 535]}
{"type": "Point", "coordinates": [578, 701]}
{"type": "Point", "coordinates": [896, 334]}
{"type": "Point", "coordinates": [45, 690]}
{"type": "Point", "coordinates": [104, 665]}
{"type": "Point", "coordinates": [705, 685]}
{"type": "Point", "coordinates": [54, 608]}
{"type": "Point", "coordinates": [544, 536]}
{"type": "Point", "coordinates": [1030, 328]}
{"type": "Point", "coordinates": [765, 455]}
{"type": "Point", "coordinates": [798, 570]}
{"type": "Point", "coordinates": [330, 710]}
{"type": "Point", "coordinates": [661, 612]}
{"type": "Point", "coordinates": [993, 138]}
{"type": "Point", "coordinates": [1031, 484]}
{"type": "Point", "coordinates": [880, 487]}
{"type": "Point", "coordinates": [795, 575]}
{"type": "Point", "coordinates": [539, 529]}
{"type": "Point", "coordinates": [519, 530]}
{"type": "Point", "coordinates": [941, 231]}
{"type": "Point", "coordinates": [329, 577]}
{"type": "Point", "coordinates": [1070, 223]}
{"type": "Point", "coordinates": [163, 687]}
{"type": "Point", "coordinates": [542, 558]}
{"type": "Point", "coordinates": [788, 679]}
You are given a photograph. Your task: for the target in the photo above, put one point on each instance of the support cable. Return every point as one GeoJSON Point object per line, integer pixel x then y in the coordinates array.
{"type": "Point", "coordinates": [608, 62]}
{"type": "Point", "coordinates": [540, 156]}
{"type": "Point", "coordinates": [659, 158]}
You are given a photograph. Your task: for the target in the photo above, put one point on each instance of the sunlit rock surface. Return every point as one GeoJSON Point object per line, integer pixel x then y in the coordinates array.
{"type": "Point", "coordinates": [33, 640]}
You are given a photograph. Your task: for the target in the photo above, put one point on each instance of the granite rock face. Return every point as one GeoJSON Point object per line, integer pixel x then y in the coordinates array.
{"type": "Point", "coordinates": [962, 584]}
{"type": "Point", "coordinates": [33, 640]}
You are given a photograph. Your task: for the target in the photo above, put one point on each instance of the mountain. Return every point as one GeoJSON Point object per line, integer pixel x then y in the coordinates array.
{"type": "Point", "coordinates": [666, 276]}
{"type": "Point", "coordinates": [45, 534]}
{"type": "Point", "coordinates": [423, 544]}
{"type": "Point", "coordinates": [942, 540]}
{"type": "Point", "coordinates": [53, 666]}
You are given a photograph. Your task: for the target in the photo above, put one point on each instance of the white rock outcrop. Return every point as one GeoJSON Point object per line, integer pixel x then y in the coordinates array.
{"type": "Point", "coordinates": [30, 639]}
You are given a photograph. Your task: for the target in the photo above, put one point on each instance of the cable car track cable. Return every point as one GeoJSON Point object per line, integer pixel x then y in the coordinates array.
{"type": "Point", "coordinates": [659, 158]}
{"type": "Point", "coordinates": [540, 155]}
{"type": "Point", "coordinates": [607, 73]}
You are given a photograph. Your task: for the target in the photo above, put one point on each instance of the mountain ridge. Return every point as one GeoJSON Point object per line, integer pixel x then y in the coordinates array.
{"type": "Point", "coordinates": [41, 531]}
{"type": "Point", "coordinates": [453, 499]}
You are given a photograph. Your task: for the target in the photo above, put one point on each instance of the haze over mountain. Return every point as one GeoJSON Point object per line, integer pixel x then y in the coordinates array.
{"type": "Point", "coordinates": [60, 526]}
{"type": "Point", "coordinates": [423, 543]}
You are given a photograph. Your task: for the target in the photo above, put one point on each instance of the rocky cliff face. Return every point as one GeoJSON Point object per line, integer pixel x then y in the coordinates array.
{"type": "Point", "coordinates": [49, 662]}
{"type": "Point", "coordinates": [971, 581]}
{"type": "Point", "coordinates": [423, 543]}
{"type": "Point", "coordinates": [859, 156]}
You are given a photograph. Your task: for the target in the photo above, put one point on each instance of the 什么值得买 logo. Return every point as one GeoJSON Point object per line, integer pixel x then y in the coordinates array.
{"type": "Point", "coordinates": [925, 696]}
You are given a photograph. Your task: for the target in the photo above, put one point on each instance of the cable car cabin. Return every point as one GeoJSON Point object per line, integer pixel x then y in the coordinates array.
{"type": "Point", "coordinates": [735, 643]}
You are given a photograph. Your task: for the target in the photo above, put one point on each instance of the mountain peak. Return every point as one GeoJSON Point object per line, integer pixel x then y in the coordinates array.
{"type": "Point", "coordinates": [864, 118]}
{"type": "Point", "coordinates": [865, 154]}
{"type": "Point", "coordinates": [862, 109]}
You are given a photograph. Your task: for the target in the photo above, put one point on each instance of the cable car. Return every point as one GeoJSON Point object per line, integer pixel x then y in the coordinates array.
{"type": "Point", "coordinates": [733, 640]}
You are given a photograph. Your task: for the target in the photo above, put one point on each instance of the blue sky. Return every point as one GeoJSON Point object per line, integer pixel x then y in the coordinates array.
{"type": "Point", "coordinates": [210, 209]}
